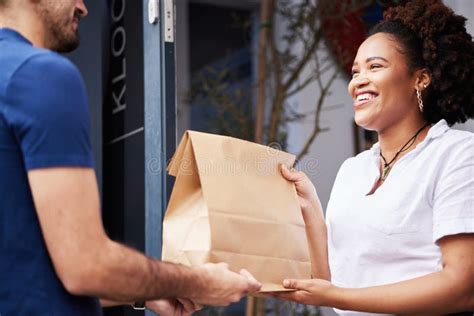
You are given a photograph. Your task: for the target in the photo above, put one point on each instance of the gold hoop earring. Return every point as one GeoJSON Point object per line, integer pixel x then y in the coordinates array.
{"type": "Point", "coordinates": [420, 100]}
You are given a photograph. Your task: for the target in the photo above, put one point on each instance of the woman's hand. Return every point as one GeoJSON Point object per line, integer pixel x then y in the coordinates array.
{"type": "Point", "coordinates": [310, 292]}
{"type": "Point", "coordinates": [307, 195]}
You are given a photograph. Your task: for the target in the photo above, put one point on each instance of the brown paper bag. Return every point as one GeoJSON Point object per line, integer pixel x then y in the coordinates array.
{"type": "Point", "coordinates": [231, 204]}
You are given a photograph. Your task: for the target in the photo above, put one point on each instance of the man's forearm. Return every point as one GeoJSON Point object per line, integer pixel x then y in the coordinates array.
{"type": "Point", "coordinates": [436, 293]}
{"type": "Point", "coordinates": [122, 274]}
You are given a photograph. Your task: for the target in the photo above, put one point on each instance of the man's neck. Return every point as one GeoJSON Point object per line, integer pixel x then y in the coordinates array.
{"type": "Point", "coordinates": [26, 23]}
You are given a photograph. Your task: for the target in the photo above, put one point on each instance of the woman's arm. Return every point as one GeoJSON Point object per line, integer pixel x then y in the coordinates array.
{"type": "Point", "coordinates": [447, 291]}
{"type": "Point", "coordinates": [315, 225]}
{"type": "Point", "coordinates": [316, 234]}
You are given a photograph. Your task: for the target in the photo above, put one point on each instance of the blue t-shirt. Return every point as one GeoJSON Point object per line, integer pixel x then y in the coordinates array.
{"type": "Point", "coordinates": [44, 122]}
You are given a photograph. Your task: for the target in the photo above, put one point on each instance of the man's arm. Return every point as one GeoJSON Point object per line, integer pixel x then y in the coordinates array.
{"type": "Point", "coordinates": [89, 263]}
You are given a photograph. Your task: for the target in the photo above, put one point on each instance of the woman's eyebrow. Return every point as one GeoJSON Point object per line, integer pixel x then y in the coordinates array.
{"type": "Point", "coordinates": [371, 59]}
{"type": "Point", "coordinates": [374, 58]}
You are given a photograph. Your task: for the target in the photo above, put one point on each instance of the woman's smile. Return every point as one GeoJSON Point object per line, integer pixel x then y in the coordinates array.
{"type": "Point", "coordinates": [364, 97]}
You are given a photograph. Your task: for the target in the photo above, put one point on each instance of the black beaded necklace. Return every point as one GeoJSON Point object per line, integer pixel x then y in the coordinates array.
{"type": "Point", "coordinates": [408, 144]}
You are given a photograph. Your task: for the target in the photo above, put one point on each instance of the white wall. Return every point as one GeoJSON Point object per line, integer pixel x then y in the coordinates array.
{"type": "Point", "coordinates": [465, 8]}
{"type": "Point", "coordinates": [330, 148]}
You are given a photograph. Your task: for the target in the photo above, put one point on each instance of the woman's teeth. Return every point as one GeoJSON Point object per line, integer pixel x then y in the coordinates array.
{"type": "Point", "coordinates": [365, 96]}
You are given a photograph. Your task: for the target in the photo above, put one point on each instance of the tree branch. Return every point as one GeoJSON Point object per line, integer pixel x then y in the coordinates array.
{"type": "Point", "coordinates": [304, 60]}
{"type": "Point", "coordinates": [266, 12]}
{"type": "Point", "coordinates": [301, 86]}
{"type": "Point", "coordinates": [317, 129]}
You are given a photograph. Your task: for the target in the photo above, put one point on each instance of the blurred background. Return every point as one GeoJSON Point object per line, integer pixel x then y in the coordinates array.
{"type": "Point", "coordinates": [273, 72]}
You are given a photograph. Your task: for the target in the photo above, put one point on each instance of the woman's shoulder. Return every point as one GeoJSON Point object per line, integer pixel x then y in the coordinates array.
{"type": "Point", "coordinates": [454, 141]}
{"type": "Point", "coordinates": [451, 149]}
{"type": "Point", "coordinates": [459, 135]}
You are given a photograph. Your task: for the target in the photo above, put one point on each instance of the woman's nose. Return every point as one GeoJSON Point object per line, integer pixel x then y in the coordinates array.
{"type": "Point", "coordinates": [357, 83]}
{"type": "Point", "coordinates": [360, 81]}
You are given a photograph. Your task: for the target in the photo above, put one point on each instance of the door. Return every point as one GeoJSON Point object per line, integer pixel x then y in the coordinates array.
{"type": "Point", "coordinates": [127, 59]}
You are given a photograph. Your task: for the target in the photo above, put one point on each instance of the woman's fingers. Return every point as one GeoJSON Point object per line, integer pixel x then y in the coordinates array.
{"type": "Point", "coordinates": [295, 296]}
{"type": "Point", "coordinates": [297, 284]}
{"type": "Point", "coordinates": [290, 174]}
{"type": "Point", "coordinates": [302, 182]}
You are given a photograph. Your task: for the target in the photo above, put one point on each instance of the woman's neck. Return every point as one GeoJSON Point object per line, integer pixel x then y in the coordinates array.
{"type": "Point", "coordinates": [392, 138]}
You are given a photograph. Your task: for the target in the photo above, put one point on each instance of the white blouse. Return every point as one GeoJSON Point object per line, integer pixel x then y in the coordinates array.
{"type": "Point", "coordinates": [392, 235]}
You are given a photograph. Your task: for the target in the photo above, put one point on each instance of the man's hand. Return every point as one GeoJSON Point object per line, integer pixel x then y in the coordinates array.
{"type": "Point", "coordinates": [221, 286]}
{"type": "Point", "coordinates": [173, 307]}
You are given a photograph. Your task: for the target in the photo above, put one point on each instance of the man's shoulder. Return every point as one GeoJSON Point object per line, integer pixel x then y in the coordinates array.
{"type": "Point", "coordinates": [31, 61]}
{"type": "Point", "coordinates": [36, 82]}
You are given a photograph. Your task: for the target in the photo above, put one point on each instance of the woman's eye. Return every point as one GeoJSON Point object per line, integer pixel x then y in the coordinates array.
{"type": "Point", "coordinates": [374, 66]}
{"type": "Point", "coordinates": [354, 73]}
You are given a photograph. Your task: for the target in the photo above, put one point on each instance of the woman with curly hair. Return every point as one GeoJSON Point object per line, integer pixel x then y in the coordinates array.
{"type": "Point", "coordinates": [399, 233]}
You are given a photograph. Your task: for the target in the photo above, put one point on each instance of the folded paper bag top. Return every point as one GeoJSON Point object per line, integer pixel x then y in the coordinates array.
{"type": "Point", "coordinates": [231, 204]}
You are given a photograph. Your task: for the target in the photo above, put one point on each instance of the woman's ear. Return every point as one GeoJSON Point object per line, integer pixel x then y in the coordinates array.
{"type": "Point", "coordinates": [423, 79]}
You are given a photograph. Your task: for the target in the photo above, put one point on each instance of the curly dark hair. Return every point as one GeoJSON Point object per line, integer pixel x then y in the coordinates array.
{"type": "Point", "coordinates": [434, 38]}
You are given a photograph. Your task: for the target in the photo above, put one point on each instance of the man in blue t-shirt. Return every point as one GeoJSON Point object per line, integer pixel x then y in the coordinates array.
{"type": "Point", "coordinates": [55, 258]}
